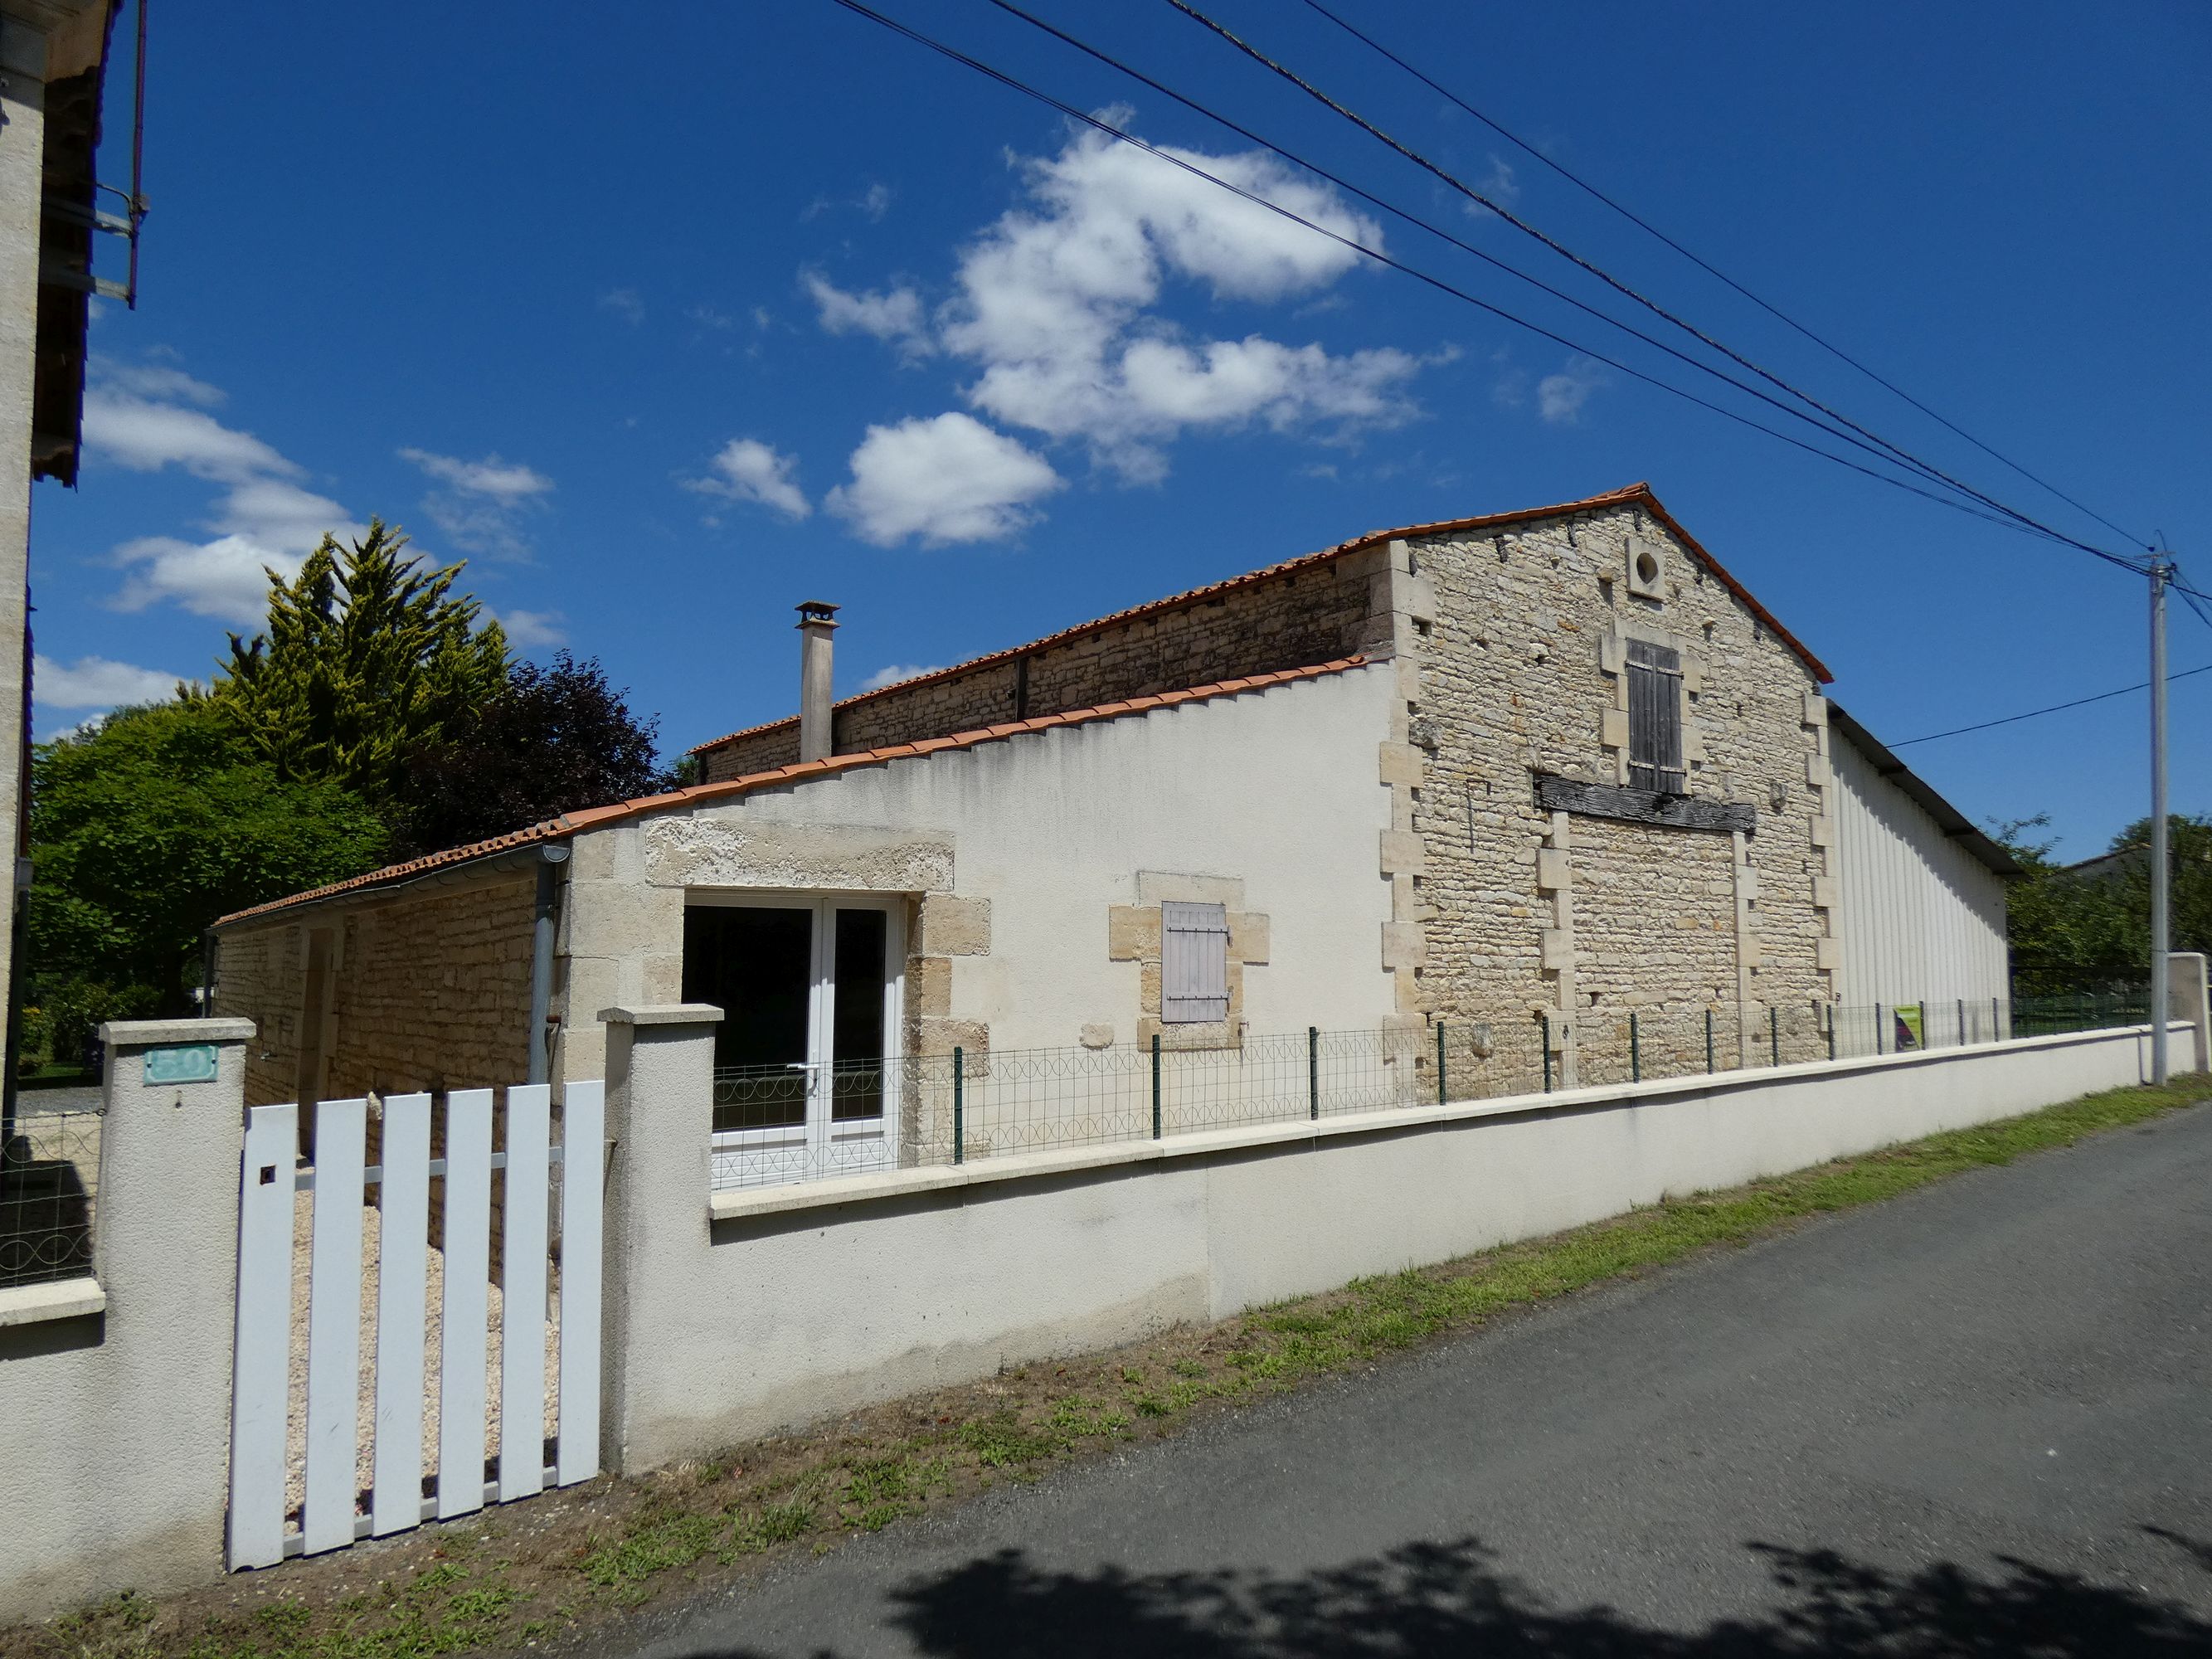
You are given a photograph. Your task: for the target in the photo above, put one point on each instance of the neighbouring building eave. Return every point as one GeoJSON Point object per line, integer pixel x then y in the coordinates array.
{"type": "Point", "coordinates": [1955, 824]}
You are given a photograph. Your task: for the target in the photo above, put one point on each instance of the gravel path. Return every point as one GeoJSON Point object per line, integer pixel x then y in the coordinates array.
{"type": "Point", "coordinates": [297, 1420]}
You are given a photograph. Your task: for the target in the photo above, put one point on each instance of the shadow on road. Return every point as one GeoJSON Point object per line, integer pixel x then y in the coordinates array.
{"type": "Point", "coordinates": [1448, 1599]}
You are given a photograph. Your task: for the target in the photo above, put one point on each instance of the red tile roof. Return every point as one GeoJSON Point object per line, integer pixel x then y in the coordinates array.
{"type": "Point", "coordinates": [1637, 495]}
{"type": "Point", "coordinates": [595, 816]}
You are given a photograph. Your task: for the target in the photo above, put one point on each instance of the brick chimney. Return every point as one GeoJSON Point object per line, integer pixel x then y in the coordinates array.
{"type": "Point", "coordinates": [815, 627]}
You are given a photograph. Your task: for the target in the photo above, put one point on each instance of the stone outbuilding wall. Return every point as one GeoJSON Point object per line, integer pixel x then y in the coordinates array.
{"type": "Point", "coordinates": [1529, 893]}
{"type": "Point", "coordinates": [425, 987]}
{"type": "Point", "coordinates": [1315, 613]}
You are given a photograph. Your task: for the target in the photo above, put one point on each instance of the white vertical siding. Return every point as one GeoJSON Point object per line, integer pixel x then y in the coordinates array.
{"type": "Point", "coordinates": [1920, 917]}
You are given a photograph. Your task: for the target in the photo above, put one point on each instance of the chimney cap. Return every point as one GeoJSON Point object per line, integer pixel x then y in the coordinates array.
{"type": "Point", "coordinates": [818, 612]}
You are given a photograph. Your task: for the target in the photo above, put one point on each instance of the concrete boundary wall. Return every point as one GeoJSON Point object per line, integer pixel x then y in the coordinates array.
{"type": "Point", "coordinates": [771, 1309]}
{"type": "Point", "coordinates": [115, 1400]}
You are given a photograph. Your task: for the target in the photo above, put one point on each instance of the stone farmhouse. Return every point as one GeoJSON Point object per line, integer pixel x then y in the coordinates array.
{"type": "Point", "coordinates": [1523, 774]}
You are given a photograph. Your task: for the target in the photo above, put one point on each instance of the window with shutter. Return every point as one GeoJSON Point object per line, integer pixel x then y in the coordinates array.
{"type": "Point", "coordinates": [1194, 963]}
{"type": "Point", "coordinates": [1655, 718]}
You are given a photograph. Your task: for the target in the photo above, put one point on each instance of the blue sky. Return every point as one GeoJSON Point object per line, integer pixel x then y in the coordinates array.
{"type": "Point", "coordinates": [669, 319]}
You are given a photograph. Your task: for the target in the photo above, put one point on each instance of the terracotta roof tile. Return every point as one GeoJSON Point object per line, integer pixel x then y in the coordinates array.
{"type": "Point", "coordinates": [804, 771]}
{"type": "Point", "coordinates": [1638, 493]}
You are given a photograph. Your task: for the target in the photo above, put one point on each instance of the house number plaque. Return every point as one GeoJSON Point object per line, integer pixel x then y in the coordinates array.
{"type": "Point", "coordinates": [187, 1062]}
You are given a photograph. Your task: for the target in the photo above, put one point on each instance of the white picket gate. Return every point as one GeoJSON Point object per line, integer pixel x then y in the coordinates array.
{"type": "Point", "coordinates": [260, 1452]}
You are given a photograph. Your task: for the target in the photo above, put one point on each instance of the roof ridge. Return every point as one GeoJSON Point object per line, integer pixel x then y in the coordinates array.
{"type": "Point", "coordinates": [1639, 491]}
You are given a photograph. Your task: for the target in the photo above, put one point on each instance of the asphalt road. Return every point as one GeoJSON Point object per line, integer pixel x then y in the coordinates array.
{"type": "Point", "coordinates": [1974, 1420]}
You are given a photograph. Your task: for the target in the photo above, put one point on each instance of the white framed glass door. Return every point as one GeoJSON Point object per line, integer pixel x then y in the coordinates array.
{"type": "Point", "coordinates": [805, 1077]}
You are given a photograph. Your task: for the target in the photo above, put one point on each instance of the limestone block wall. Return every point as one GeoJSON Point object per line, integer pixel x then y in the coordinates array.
{"type": "Point", "coordinates": [1531, 916]}
{"type": "Point", "coordinates": [425, 987]}
{"type": "Point", "coordinates": [1316, 613]}
{"type": "Point", "coordinates": [261, 976]}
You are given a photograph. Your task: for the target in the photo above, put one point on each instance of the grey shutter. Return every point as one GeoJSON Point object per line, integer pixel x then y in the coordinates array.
{"type": "Point", "coordinates": [1655, 718]}
{"type": "Point", "coordinates": [1194, 963]}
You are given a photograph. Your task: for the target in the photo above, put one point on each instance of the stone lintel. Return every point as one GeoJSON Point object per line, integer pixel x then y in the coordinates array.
{"type": "Point", "coordinates": [1605, 800]}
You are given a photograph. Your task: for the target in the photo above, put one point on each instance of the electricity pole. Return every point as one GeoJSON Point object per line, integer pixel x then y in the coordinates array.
{"type": "Point", "coordinates": [2161, 570]}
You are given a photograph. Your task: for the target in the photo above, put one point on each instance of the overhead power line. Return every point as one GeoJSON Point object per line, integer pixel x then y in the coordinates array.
{"type": "Point", "coordinates": [2056, 708]}
{"type": "Point", "coordinates": [1108, 128]}
{"type": "Point", "coordinates": [1903, 455]}
{"type": "Point", "coordinates": [1792, 412]}
{"type": "Point", "coordinates": [1643, 224]}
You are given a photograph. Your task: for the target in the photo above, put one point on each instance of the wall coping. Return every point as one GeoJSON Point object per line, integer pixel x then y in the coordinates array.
{"type": "Point", "coordinates": [152, 1033]}
{"type": "Point", "coordinates": [67, 1298]}
{"type": "Point", "coordinates": [665, 1013]}
{"type": "Point", "coordinates": [755, 1202]}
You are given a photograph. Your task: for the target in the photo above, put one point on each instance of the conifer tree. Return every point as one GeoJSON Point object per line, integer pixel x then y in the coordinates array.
{"type": "Point", "coordinates": [368, 658]}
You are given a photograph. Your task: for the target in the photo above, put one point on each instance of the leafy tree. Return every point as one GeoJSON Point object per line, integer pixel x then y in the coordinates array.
{"type": "Point", "coordinates": [552, 739]}
{"type": "Point", "coordinates": [2089, 930]}
{"type": "Point", "coordinates": [152, 823]}
{"type": "Point", "coordinates": [368, 656]}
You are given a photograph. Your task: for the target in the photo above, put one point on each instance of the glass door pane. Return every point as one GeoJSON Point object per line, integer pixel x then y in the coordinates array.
{"type": "Point", "coordinates": [857, 1039]}
{"type": "Point", "coordinates": [757, 965]}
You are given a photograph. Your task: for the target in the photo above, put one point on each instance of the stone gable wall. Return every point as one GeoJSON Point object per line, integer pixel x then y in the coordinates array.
{"type": "Point", "coordinates": [1304, 616]}
{"type": "Point", "coordinates": [1506, 677]}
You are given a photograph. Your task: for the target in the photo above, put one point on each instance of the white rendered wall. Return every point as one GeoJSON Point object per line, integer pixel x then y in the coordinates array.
{"type": "Point", "coordinates": [1920, 916]}
{"type": "Point", "coordinates": [794, 1303]}
{"type": "Point", "coordinates": [115, 1424]}
{"type": "Point", "coordinates": [1276, 788]}
{"type": "Point", "coordinates": [22, 162]}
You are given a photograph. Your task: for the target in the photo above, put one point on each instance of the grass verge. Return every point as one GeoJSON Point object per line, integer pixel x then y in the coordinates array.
{"type": "Point", "coordinates": [512, 1577]}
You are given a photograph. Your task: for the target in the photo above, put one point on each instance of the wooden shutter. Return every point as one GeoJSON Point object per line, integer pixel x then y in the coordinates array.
{"type": "Point", "coordinates": [1655, 718]}
{"type": "Point", "coordinates": [1193, 963]}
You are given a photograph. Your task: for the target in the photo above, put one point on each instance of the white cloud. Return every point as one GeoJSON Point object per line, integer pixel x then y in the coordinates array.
{"type": "Point", "coordinates": [1560, 397]}
{"type": "Point", "coordinates": [895, 316]}
{"type": "Point", "coordinates": [747, 470]}
{"type": "Point", "coordinates": [154, 380]}
{"type": "Point", "coordinates": [1499, 185]}
{"type": "Point", "coordinates": [874, 202]}
{"type": "Point", "coordinates": [625, 304]}
{"type": "Point", "coordinates": [145, 436]}
{"type": "Point", "coordinates": [1053, 300]}
{"type": "Point", "coordinates": [227, 579]}
{"type": "Point", "coordinates": [896, 673]}
{"type": "Point", "coordinates": [98, 682]}
{"type": "Point", "coordinates": [264, 520]}
{"type": "Point", "coordinates": [482, 506]}
{"type": "Point", "coordinates": [530, 631]}
{"type": "Point", "coordinates": [281, 515]}
{"type": "Point", "coordinates": [504, 480]}
{"type": "Point", "coordinates": [948, 478]}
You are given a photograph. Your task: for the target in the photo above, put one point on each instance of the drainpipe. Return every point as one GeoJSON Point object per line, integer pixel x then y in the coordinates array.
{"type": "Point", "coordinates": [815, 628]}
{"type": "Point", "coordinates": [542, 940]}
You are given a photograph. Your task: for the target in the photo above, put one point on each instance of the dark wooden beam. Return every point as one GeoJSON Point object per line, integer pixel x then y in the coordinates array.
{"type": "Point", "coordinates": [1605, 800]}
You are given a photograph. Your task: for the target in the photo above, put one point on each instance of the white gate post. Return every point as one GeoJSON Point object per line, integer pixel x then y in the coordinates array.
{"type": "Point", "coordinates": [2186, 1001]}
{"type": "Point", "coordinates": [660, 1086]}
{"type": "Point", "coordinates": [123, 1421]}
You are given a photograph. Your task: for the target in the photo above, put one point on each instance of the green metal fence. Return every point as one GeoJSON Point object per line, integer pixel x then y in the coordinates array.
{"type": "Point", "coordinates": [975, 1104]}
{"type": "Point", "coordinates": [2086, 1010]}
